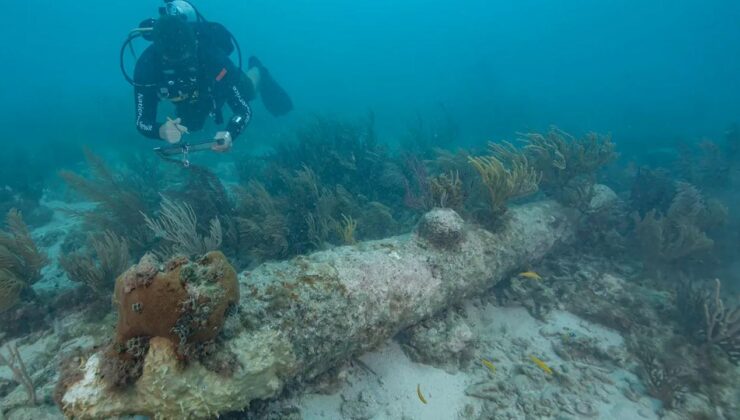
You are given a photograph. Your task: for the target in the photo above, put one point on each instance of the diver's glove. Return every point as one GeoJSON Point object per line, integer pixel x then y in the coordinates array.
{"type": "Point", "coordinates": [223, 139]}
{"type": "Point", "coordinates": [172, 131]}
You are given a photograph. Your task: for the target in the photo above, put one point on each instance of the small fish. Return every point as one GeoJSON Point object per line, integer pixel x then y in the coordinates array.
{"type": "Point", "coordinates": [542, 365]}
{"type": "Point", "coordinates": [421, 396]}
{"type": "Point", "coordinates": [487, 363]}
{"type": "Point", "coordinates": [530, 275]}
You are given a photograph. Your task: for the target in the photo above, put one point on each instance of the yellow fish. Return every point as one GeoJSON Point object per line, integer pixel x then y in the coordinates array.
{"type": "Point", "coordinates": [487, 363]}
{"type": "Point", "coordinates": [530, 275]}
{"type": "Point", "coordinates": [421, 396]}
{"type": "Point", "coordinates": [542, 365]}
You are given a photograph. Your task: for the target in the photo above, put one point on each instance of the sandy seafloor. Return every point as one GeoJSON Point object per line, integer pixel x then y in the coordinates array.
{"type": "Point", "coordinates": [383, 384]}
{"type": "Point", "coordinates": [507, 335]}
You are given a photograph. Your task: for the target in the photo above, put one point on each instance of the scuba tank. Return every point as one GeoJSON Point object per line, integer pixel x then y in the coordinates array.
{"type": "Point", "coordinates": [210, 34]}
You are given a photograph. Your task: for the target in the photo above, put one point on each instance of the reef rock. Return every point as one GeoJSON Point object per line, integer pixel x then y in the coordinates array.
{"type": "Point", "coordinates": [603, 198]}
{"type": "Point", "coordinates": [445, 341]}
{"type": "Point", "coordinates": [299, 318]}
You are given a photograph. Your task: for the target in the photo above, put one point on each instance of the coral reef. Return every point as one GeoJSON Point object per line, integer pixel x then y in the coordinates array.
{"type": "Point", "coordinates": [20, 260]}
{"type": "Point", "coordinates": [263, 229]}
{"type": "Point", "coordinates": [333, 305]}
{"type": "Point", "coordinates": [506, 174]}
{"type": "Point", "coordinates": [708, 319]}
{"type": "Point", "coordinates": [184, 346]}
{"type": "Point", "coordinates": [652, 190]}
{"type": "Point", "coordinates": [14, 361]}
{"type": "Point", "coordinates": [447, 191]}
{"type": "Point", "coordinates": [445, 341]}
{"type": "Point", "coordinates": [177, 226]}
{"type": "Point", "coordinates": [605, 223]}
{"type": "Point", "coordinates": [346, 230]}
{"type": "Point", "coordinates": [674, 239]}
{"type": "Point", "coordinates": [10, 290]}
{"type": "Point", "coordinates": [568, 164]}
{"type": "Point", "coordinates": [98, 267]}
{"type": "Point", "coordinates": [665, 380]}
{"type": "Point", "coordinates": [722, 325]}
{"type": "Point", "coordinates": [340, 153]}
{"type": "Point", "coordinates": [535, 295]}
{"type": "Point", "coordinates": [120, 204]}
{"type": "Point", "coordinates": [301, 213]}
{"type": "Point", "coordinates": [706, 164]}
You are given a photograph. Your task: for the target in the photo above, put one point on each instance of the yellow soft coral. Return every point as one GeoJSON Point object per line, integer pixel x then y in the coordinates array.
{"type": "Point", "coordinates": [506, 174]}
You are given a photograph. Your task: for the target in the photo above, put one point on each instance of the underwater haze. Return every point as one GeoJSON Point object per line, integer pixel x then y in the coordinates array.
{"type": "Point", "coordinates": [427, 210]}
{"type": "Point", "coordinates": [640, 70]}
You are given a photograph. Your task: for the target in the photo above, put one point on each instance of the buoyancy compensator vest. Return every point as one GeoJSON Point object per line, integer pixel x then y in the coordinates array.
{"type": "Point", "coordinates": [210, 35]}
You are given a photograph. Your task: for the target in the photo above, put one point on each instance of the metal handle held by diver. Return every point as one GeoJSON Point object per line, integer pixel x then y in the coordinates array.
{"type": "Point", "coordinates": [184, 148]}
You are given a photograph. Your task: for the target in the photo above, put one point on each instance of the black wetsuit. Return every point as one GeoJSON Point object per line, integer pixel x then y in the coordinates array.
{"type": "Point", "coordinates": [205, 84]}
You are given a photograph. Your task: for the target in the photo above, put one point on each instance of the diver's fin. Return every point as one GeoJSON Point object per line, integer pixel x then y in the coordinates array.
{"type": "Point", "coordinates": [274, 97]}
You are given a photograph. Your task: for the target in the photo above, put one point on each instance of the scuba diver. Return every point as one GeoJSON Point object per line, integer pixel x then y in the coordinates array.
{"type": "Point", "coordinates": [188, 65]}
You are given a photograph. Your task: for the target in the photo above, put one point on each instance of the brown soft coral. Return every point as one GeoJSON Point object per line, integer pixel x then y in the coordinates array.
{"type": "Point", "coordinates": [10, 289]}
{"type": "Point", "coordinates": [20, 260]}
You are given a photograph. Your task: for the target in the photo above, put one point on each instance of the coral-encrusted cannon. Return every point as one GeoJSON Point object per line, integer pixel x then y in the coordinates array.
{"type": "Point", "coordinates": [184, 302]}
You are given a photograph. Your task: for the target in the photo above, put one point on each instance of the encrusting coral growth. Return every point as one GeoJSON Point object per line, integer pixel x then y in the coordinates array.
{"type": "Point", "coordinates": [183, 302]}
{"type": "Point", "coordinates": [20, 260]}
{"type": "Point", "coordinates": [332, 305]}
{"type": "Point", "coordinates": [443, 228]}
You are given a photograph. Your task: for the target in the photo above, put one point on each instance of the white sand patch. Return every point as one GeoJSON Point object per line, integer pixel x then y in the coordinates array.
{"type": "Point", "coordinates": [508, 336]}
{"type": "Point", "coordinates": [35, 354]}
{"type": "Point", "coordinates": [513, 334]}
{"type": "Point", "coordinates": [393, 391]}
{"type": "Point", "coordinates": [62, 223]}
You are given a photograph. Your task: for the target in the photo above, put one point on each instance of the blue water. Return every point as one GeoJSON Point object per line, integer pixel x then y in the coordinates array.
{"type": "Point", "coordinates": [644, 71]}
